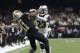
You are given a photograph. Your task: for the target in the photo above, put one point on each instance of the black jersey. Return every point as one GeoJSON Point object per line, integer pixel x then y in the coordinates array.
{"type": "Point", "coordinates": [27, 21]}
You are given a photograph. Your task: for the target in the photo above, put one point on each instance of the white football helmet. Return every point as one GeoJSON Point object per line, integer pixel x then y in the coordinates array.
{"type": "Point", "coordinates": [43, 10]}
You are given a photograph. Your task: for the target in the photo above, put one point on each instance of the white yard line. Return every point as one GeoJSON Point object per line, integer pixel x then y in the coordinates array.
{"type": "Point", "coordinates": [14, 47]}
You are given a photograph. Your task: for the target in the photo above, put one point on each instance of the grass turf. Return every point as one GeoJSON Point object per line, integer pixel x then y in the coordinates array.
{"type": "Point", "coordinates": [69, 45]}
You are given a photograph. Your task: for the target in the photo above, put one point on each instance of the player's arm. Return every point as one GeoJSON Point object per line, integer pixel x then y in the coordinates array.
{"type": "Point", "coordinates": [50, 21]}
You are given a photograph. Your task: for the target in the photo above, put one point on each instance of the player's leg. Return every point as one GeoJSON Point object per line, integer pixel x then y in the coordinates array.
{"type": "Point", "coordinates": [34, 32]}
{"type": "Point", "coordinates": [32, 41]}
{"type": "Point", "coordinates": [45, 44]}
{"type": "Point", "coordinates": [42, 48]}
{"type": "Point", "coordinates": [42, 39]}
{"type": "Point", "coordinates": [42, 45]}
{"type": "Point", "coordinates": [33, 46]}
{"type": "Point", "coordinates": [46, 35]}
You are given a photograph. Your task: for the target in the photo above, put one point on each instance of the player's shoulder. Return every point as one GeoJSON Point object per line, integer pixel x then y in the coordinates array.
{"type": "Point", "coordinates": [47, 15]}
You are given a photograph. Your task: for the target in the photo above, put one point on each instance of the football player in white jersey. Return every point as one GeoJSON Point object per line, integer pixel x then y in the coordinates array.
{"type": "Point", "coordinates": [43, 20]}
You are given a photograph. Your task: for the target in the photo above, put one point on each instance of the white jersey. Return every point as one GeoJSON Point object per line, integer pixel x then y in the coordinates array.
{"type": "Point", "coordinates": [43, 21]}
{"type": "Point", "coordinates": [43, 24]}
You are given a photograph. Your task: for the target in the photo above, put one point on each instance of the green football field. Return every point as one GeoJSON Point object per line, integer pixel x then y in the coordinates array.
{"type": "Point", "coordinates": [66, 45]}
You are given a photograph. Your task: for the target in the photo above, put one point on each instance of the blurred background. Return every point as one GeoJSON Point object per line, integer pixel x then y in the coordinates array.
{"type": "Point", "coordinates": [65, 18]}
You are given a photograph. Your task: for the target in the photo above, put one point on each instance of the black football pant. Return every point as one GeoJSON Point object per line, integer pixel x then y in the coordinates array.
{"type": "Point", "coordinates": [33, 35]}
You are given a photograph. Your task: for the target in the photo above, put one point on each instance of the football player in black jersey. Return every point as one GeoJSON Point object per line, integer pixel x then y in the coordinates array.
{"type": "Point", "coordinates": [31, 32]}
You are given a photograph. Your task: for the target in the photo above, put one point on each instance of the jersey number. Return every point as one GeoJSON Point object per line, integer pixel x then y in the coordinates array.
{"type": "Point", "coordinates": [41, 24]}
